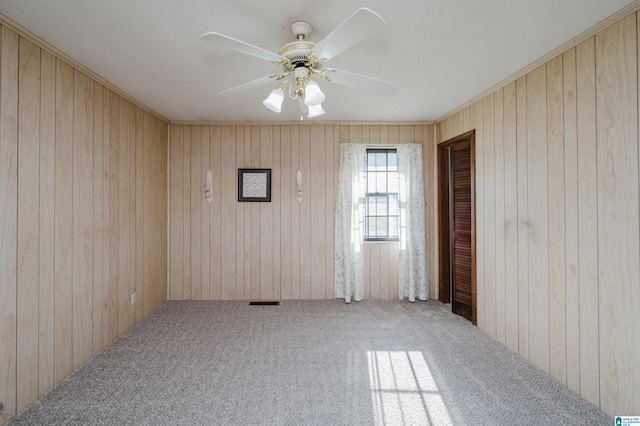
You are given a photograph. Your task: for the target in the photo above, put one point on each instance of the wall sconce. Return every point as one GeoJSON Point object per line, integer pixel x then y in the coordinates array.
{"type": "Point", "coordinates": [208, 192]}
{"type": "Point", "coordinates": [299, 184]}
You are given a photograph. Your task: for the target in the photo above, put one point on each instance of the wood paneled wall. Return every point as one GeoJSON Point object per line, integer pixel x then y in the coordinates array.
{"type": "Point", "coordinates": [238, 250]}
{"type": "Point", "coordinates": [83, 184]}
{"type": "Point", "coordinates": [558, 216]}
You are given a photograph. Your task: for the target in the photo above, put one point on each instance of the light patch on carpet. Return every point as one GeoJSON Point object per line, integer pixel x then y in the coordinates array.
{"type": "Point", "coordinates": [403, 390]}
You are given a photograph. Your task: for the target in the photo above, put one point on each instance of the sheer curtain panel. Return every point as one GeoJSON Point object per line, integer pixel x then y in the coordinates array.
{"type": "Point", "coordinates": [413, 249]}
{"type": "Point", "coordinates": [349, 224]}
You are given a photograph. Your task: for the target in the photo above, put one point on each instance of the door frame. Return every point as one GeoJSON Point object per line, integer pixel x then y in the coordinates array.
{"type": "Point", "coordinates": [444, 214]}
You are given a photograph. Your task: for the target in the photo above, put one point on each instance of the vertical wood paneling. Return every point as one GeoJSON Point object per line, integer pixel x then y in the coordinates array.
{"type": "Point", "coordinates": [588, 222]}
{"type": "Point", "coordinates": [159, 211]}
{"type": "Point", "coordinates": [288, 197]}
{"type": "Point", "coordinates": [556, 193]}
{"type": "Point", "coordinates": [123, 215]}
{"type": "Point", "coordinates": [247, 217]}
{"type": "Point", "coordinates": [523, 217]}
{"type": "Point", "coordinates": [230, 137]}
{"type": "Point", "coordinates": [114, 213]}
{"type": "Point", "coordinates": [277, 210]}
{"type": "Point", "coordinates": [264, 250]}
{"type": "Point", "coordinates": [139, 228]}
{"type": "Point", "coordinates": [176, 194]}
{"type": "Point", "coordinates": [98, 229]}
{"type": "Point", "coordinates": [500, 225]}
{"type": "Point", "coordinates": [63, 221]}
{"type": "Point", "coordinates": [305, 212]}
{"type": "Point", "coordinates": [147, 294]}
{"type": "Point", "coordinates": [291, 289]}
{"type": "Point", "coordinates": [198, 182]}
{"type": "Point", "coordinates": [82, 218]}
{"type": "Point", "coordinates": [480, 216]}
{"type": "Point", "coordinates": [256, 261]}
{"type": "Point", "coordinates": [571, 200]}
{"type": "Point", "coordinates": [46, 272]}
{"type": "Point", "coordinates": [132, 211]}
{"type": "Point", "coordinates": [56, 208]}
{"type": "Point", "coordinates": [266, 217]}
{"type": "Point", "coordinates": [246, 143]}
{"type": "Point", "coordinates": [618, 233]}
{"type": "Point", "coordinates": [510, 217]}
{"type": "Point", "coordinates": [8, 214]}
{"type": "Point", "coordinates": [215, 161]}
{"type": "Point", "coordinates": [28, 222]}
{"type": "Point", "coordinates": [106, 213]}
{"type": "Point", "coordinates": [489, 200]}
{"type": "Point", "coordinates": [318, 243]}
{"type": "Point", "coordinates": [538, 224]}
{"type": "Point", "coordinates": [571, 220]}
{"type": "Point", "coordinates": [206, 216]}
{"type": "Point", "coordinates": [186, 212]}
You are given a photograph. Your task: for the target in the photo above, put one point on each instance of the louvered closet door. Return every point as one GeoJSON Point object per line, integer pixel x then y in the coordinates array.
{"type": "Point", "coordinates": [460, 222]}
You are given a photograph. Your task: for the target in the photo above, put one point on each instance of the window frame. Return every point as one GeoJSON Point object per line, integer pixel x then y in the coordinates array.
{"type": "Point", "coordinates": [387, 194]}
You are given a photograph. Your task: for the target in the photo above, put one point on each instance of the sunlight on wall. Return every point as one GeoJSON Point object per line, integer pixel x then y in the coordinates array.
{"type": "Point", "coordinates": [403, 390]}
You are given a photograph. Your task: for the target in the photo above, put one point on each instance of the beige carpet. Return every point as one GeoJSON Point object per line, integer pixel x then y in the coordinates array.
{"type": "Point", "coordinates": [308, 363]}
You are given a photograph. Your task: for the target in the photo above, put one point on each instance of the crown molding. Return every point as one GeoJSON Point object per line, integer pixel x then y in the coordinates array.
{"type": "Point", "coordinates": [301, 123]}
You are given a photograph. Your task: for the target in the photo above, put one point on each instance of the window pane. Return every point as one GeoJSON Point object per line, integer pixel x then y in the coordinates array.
{"type": "Point", "coordinates": [393, 226]}
{"type": "Point", "coordinates": [371, 206]}
{"type": "Point", "coordinates": [381, 182]}
{"type": "Point", "coordinates": [393, 182]}
{"type": "Point", "coordinates": [376, 182]}
{"type": "Point", "coordinates": [378, 206]}
{"type": "Point", "coordinates": [371, 227]}
{"type": "Point", "coordinates": [383, 206]}
{"type": "Point", "coordinates": [393, 204]}
{"type": "Point", "coordinates": [377, 227]}
{"type": "Point", "coordinates": [382, 194]}
{"type": "Point", "coordinates": [371, 182]}
{"type": "Point", "coordinates": [381, 161]}
{"type": "Point", "coordinates": [371, 161]}
{"type": "Point", "coordinates": [393, 160]}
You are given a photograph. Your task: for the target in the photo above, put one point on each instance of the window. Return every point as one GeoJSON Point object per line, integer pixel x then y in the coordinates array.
{"type": "Point", "coordinates": [381, 207]}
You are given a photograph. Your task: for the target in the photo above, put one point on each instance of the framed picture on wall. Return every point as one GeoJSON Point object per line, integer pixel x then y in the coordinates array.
{"type": "Point", "coordinates": [254, 185]}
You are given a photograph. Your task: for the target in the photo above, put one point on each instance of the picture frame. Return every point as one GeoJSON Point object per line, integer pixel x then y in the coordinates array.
{"type": "Point", "coordinates": [254, 185]}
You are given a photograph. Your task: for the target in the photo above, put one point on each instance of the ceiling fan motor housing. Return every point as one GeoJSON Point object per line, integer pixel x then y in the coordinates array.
{"type": "Point", "coordinates": [297, 52]}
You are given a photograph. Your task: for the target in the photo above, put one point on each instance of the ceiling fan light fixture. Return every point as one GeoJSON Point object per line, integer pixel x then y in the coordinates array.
{"type": "Point", "coordinates": [275, 98]}
{"type": "Point", "coordinates": [315, 111]}
{"type": "Point", "coordinates": [302, 59]}
{"type": "Point", "coordinates": [313, 95]}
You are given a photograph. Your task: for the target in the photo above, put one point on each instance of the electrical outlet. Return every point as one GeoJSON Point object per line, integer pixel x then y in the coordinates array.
{"type": "Point", "coordinates": [133, 299]}
{"type": "Point", "coordinates": [307, 278]}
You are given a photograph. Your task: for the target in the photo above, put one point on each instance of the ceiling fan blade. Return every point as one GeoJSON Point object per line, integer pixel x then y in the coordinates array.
{"type": "Point", "coordinates": [239, 46]}
{"type": "Point", "coordinates": [362, 82]}
{"type": "Point", "coordinates": [357, 27]}
{"type": "Point", "coordinates": [249, 85]}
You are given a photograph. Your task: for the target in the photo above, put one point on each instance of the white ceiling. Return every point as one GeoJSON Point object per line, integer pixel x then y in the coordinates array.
{"type": "Point", "coordinates": [442, 53]}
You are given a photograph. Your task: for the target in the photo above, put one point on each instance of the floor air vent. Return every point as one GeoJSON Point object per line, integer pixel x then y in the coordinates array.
{"type": "Point", "coordinates": [265, 302]}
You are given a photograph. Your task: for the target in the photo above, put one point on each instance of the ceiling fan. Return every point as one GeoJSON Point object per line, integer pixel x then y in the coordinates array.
{"type": "Point", "coordinates": [301, 60]}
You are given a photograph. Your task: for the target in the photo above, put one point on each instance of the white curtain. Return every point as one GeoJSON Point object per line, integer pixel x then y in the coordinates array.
{"type": "Point", "coordinates": [349, 262]}
{"type": "Point", "coordinates": [413, 248]}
